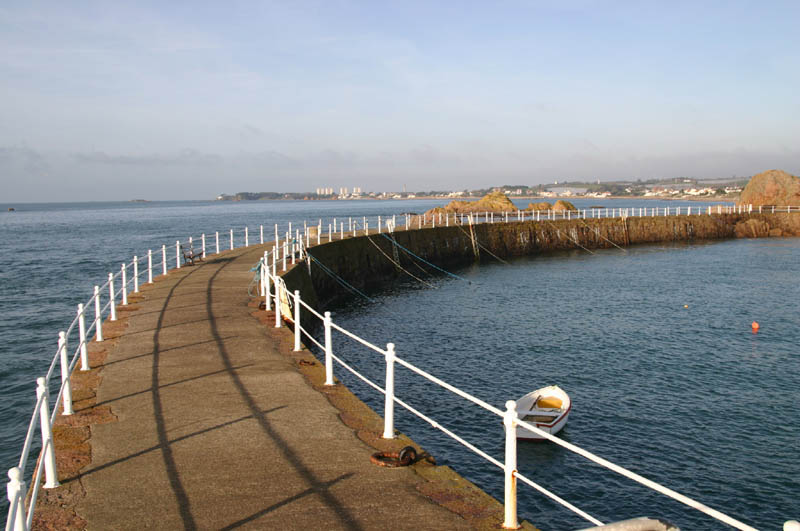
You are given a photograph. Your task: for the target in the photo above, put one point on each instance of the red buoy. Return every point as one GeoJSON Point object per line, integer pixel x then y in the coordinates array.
{"type": "Point", "coordinates": [755, 326]}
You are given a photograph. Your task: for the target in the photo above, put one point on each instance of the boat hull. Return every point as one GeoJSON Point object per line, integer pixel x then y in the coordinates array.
{"type": "Point", "coordinates": [547, 409]}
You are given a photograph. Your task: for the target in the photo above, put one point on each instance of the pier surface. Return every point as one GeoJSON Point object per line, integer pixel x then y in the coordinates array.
{"type": "Point", "coordinates": [216, 428]}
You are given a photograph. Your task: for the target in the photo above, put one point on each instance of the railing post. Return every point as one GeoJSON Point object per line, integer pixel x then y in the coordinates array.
{"type": "Point", "coordinates": [82, 335]}
{"type": "Point", "coordinates": [50, 471]}
{"type": "Point", "coordinates": [297, 320]}
{"type": "Point", "coordinates": [124, 278]}
{"type": "Point", "coordinates": [246, 238]}
{"type": "Point", "coordinates": [284, 256]}
{"type": "Point", "coordinates": [262, 234]}
{"type": "Point", "coordinates": [203, 243]}
{"type": "Point", "coordinates": [231, 239]}
{"type": "Point", "coordinates": [277, 304]}
{"type": "Point", "coordinates": [328, 350]}
{"type": "Point", "coordinates": [98, 315]}
{"type": "Point", "coordinates": [163, 259]}
{"type": "Point", "coordinates": [149, 266]}
{"type": "Point", "coordinates": [388, 406]}
{"type": "Point", "coordinates": [136, 274]}
{"type": "Point", "coordinates": [216, 235]}
{"type": "Point", "coordinates": [66, 396]}
{"type": "Point", "coordinates": [510, 423]}
{"type": "Point", "coordinates": [16, 498]}
{"type": "Point", "coordinates": [112, 297]}
{"type": "Point", "coordinates": [177, 255]}
{"type": "Point", "coordinates": [267, 299]}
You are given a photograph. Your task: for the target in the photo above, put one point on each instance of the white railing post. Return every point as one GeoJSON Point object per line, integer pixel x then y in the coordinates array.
{"type": "Point", "coordinates": [163, 259]}
{"type": "Point", "coordinates": [82, 336]}
{"type": "Point", "coordinates": [203, 243]}
{"type": "Point", "coordinates": [136, 274]}
{"type": "Point", "coordinates": [112, 297]}
{"type": "Point", "coordinates": [66, 395]}
{"type": "Point", "coordinates": [328, 349]}
{"type": "Point", "coordinates": [297, 320]}
{"type": "Point", "coordinates": [149, 266]}
{"type": "Point", "coordinates": [231, 239]}
{"type": "Point", "coordinates": [216, 237]}
{"type": "Point", "coordinates": [49, 457]}
{"type": "Point", "coordinates": [124, 278]}
{"type": "Point", "coordinates": [267, 299]}
{"type": "Point", "coordinates": [15, 490]}
{"type": "Point", "coordinates": [379, 224]}
{"type": "Point", "coordinates": [98, 315]}
{"type": "Point", "coordinates": [262, 234]}
{"type": "Point", "coordinates": [284, 256]}
{"type": "Point", "coordinates": [246, 238]}
{"type": "Point", "coordinates": [510, 423]}
{"type": "Point", "coordinates": [319, 233]}
{"type": "Point", "coordinates": [277, 304]}
{"type": "Point", "coordinates": [388, 405]}
{"type": "Point", "coordinates": [177, 255]}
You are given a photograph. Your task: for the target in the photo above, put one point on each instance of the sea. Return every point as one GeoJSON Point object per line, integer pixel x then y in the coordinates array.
{"type": "Point", "coordinates": [653, 343]}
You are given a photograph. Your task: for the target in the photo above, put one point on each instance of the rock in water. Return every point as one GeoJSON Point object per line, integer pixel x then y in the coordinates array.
{"type": "Point", "coordinates": [492, 202]}
{"type": "Point", "coordinates": [543, 205]}
{"type": "Point", "coordinates": [771, 188]}
{"type": "Point", "coordinates": [564, 205]}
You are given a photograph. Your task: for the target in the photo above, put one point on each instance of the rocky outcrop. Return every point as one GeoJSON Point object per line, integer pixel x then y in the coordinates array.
{"type": "Point", "coordinates": [564, 205]}
{"type": "Point", "coordinates": [492, 202]}
{"type": "Point", "coordinates": [543, 205]}
{"type": "Point", "coordinates": [771, 188]}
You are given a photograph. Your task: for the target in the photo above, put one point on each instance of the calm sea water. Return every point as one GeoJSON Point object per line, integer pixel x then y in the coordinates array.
{"type": "Point", "coordinates": [686, 396]}
{"type": "Point", "coordinates": [689, 397]}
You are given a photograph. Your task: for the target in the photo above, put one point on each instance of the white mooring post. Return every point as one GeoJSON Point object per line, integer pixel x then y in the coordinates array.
{"type": "Point", "coordinates": [149, 266]}
{"type": "Point", "coordinates": [136, 274]}
{"type": "Point", "coordinates": [82, 337]}
{"type": "Point", "coordinates": [297, 320]}
{"type": "Point", "coordinates": [112, 297]}
{"type": "Point", "coordinates": [98, 315]}
{"type": "Point", "coordinates": [124, 286]}
{"type": "Point", "coordinates": [16, 498]}
{"type": "Point", "coordinates": [49, 457]}
{"type": "Point", "coordinates": [388, 405]}
{"type": "Point", "coordinates": [177, 255]}
{"type": "Point", "coordinates": [231, 239]}
{"type": "Point", "coordinates": [510, 423]}
{"type": "Point", "coordinates": [163, 259]}
{"type": "Point", "coordinates": [328, 349]}
{"type": "Point", "coordinates": [66, 395]}
{"type": "Point", "coordinates": [277, 305]}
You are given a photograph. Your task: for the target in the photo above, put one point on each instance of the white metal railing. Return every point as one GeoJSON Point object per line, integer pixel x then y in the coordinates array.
{"type": "Point", "coordinates": [288, 307]}
{"type": "Point", "coordinates": [287, 245]}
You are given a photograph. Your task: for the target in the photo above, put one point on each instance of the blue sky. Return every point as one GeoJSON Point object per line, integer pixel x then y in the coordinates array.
{"type": "Point", "coordinates": [186, 100]}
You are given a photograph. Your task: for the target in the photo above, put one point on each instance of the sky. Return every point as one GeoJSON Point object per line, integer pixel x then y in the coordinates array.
{"type": "Point", "coordinates": [188, 100]}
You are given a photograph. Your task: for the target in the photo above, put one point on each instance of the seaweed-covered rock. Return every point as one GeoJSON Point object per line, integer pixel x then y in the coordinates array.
{"type": "Point", "coordinates": [492, 202]}
{"type": "Point", "coordinates": [773, 187]}
{"type": "Point", "coordinates": [544, 205]}
{"type": "Point", "coordinates": [563, 205]}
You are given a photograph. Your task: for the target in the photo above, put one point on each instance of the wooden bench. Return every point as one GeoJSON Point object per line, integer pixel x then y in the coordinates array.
{"type": "Point", "coordinates": [190, 255]}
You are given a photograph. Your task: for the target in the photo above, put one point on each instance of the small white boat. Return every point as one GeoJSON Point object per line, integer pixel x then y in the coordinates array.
{"type": "Point", "coordinates": [546, 408]}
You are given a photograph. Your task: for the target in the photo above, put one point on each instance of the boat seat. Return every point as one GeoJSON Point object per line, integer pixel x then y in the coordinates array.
{"type": "Point", "coordinates": [538, 418]}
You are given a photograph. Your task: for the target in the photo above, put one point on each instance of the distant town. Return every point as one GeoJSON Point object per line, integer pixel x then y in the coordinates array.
{"type": "Point", "coordinates": [677, 188]}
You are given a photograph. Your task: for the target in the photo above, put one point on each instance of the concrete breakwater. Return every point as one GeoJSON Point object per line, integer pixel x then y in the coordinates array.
{"type": "Point", "coordinates": [369, 261]}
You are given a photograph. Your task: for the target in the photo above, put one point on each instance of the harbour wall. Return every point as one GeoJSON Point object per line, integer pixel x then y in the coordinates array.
{"type": "Point", "coordinates": [368, 262]}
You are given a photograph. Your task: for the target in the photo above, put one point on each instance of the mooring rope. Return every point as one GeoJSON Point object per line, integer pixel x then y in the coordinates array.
{"type": "Point", "coordinates": [573, 241]}
{"type": "Point", "coordinates": [483, 247]}
{"type": "Point", "coordinates": [337, 278]}
{"type": "Point", "coordinates": [392, 260]}
{"type": "Point", "coordinates": [423, 260]}
{"type": "Point", "coordinates": [596, 230]}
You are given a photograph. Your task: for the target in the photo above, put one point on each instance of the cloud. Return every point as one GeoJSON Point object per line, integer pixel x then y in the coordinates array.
{"type": "Point", "coordinates": [183, 158]}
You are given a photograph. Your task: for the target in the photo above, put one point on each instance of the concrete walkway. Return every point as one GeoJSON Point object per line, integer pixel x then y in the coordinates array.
{"type": "Point", "coordinates": [218, 430]}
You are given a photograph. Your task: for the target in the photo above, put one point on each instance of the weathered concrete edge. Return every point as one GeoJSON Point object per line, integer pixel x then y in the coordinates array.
{"type": "Point", "coordinates": [441, 484]}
